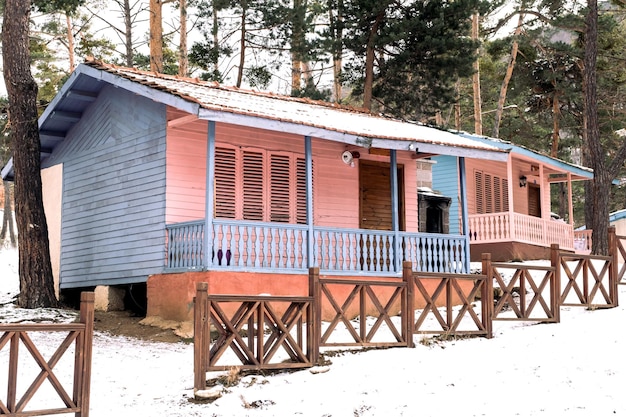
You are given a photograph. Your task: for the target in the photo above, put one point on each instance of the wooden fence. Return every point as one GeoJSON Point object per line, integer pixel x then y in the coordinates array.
{"type": "Point", "coordinates": [529, 293]}
{"type": "Point", "coordinates": [80, 334]}
{"type": "Point", "coordinates": [451, 303]}
{"type": "Point", "coordinates": [259, 328]}
{"type": "Point", "coordinates": [620, 253]}
{"type": "Point", "coordinates": [368, 295]}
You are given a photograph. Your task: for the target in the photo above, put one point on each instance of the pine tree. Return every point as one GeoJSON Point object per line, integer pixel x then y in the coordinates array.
{"type": "Point", "coordinates": [409, 55]}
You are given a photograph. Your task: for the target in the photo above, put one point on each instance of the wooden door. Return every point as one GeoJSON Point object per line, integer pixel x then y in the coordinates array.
{"type": "Point", "coordinates": [375, 212]}
{"type": "Point", "coordinates": [375, 196]}
{"type": "Point", "coordinates": [534, 200]}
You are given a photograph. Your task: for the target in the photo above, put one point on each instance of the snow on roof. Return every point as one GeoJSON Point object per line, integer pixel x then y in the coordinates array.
{"type": "Point", "coordinates": [321, 116]}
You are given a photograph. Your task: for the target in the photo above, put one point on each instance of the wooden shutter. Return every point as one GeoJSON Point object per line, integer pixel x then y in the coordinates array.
{"type": "Point", "coordinates": [280, 176]}
{"type": "Point", "coordinates": [488, 193]}
{"type": "Point", "coordinates": [225, 183]}
{"type": "Point", "coordinates": [300, 191]}
{"type": "Point", "coordinates": [505, 194]}
{"type": "Point", "coordinates": [480, 191]}
{"type": "Point", "coordinates": [253, 200]}
{"type": "Point", "coordinates": [497, 194]}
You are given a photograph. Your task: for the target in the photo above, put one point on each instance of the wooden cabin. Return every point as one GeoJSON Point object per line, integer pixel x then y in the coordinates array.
{"type": "Point", "coordinates": [166, 181]}
{"type": "Point", "coordinates": [510, 212]}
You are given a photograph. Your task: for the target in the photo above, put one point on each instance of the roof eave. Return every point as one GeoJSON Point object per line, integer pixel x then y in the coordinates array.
{"type": "Point", "coordinates": [351, 139]}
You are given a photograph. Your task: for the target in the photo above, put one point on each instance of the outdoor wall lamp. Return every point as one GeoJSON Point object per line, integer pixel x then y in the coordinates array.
{"type": "Point", "coordinates": [522, 181]}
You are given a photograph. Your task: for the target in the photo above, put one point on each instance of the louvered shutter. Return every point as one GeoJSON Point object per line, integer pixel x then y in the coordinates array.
{"type": "Point", "coordinates": [497, 191]}
{"type": "Point", "coordinates": [300, 191]}
{"type": "Point", "coordinates": [253, 200]}
{"type": "Point", "coordinates": [480, 191]}
{"type": "Point", "coordinates": [280, 177]}
{"type": "Point", "coordinates": [505, 194]}
{"type": "Point", "coordinates": [225, 183]}
{"type": "Point", "coordinates": [488, 193]}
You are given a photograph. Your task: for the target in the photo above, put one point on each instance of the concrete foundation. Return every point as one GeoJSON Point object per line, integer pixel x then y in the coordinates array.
{"type": "Point", "coordinates": [109, 298]}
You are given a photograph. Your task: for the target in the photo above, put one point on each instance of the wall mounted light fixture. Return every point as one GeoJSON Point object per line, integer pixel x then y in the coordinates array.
{"type": "Point", "coordinates": [523, 181]}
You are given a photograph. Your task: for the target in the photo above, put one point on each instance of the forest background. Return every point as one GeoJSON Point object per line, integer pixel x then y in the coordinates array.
{"type": "Point", "coordinates": [513, 71]}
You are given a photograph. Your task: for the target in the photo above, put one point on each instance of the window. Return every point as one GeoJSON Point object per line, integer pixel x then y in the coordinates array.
{"type": "Point", "coordinates": [260, 185]}
{"type": "Point", "coordinates": [492, 193]}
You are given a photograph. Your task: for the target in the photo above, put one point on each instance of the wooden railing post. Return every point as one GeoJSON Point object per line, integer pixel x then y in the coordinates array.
{"type": "Point", "coordinates": [408, 309]}
{"type": "Point", "coordinates": [613, 281]}
{"type": "Point", "coordinates": [201, 336]}
{"type": "Point", "coordinates": [555, 296]}
{"type": "Point", "coordinates": [84, 349]}
{"type": "Point", "coordinates": [487, 294]}
{"type": "Point", "coordinates": [314, 324]}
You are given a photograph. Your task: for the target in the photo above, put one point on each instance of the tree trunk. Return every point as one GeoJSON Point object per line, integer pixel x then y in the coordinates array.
{"type": "Point", "coordinates": [35, 270]}
{"type": "Point", "coordinates": [336, 24]}
{"type": "Point", "coordinates": [601, 179]}
{"type": "Point", "coordinates": [183, 61]}
{"type": "Point", "coordinates": [128, 35]}
{"type": "Point", "coordinates": [507, 77]}
{"type": "Point", "coordinates": [70, 42]}
{"type": "Point", "coordinates": [478, 117]}
{"type": "Point", "coordinates": [369, 62]}
{"type": "Point", "coordinates": [298, 43]}
{"type": "Point", "coordinates": [7, 217]}
{"type": "Point", "coordinates": [156, 36]}
{"type": "Point", "coordinates": [242, 42]}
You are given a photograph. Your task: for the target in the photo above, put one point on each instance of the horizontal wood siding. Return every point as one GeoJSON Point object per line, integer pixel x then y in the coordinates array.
{"type": "Point", "coordinates": [186, 170]}
{"type": "Point", "coordinates": [492, 168]}
{"type": "Point", "coordinates": [446, 181]}
{"type": "Point", "coordinates": [113, 226]}
{"type": "Point", "coordinates": [336, 186]}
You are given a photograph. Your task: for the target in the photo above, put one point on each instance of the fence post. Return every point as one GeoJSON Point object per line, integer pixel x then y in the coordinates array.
{"type": "Point", "coordinates": [555, 298]}
{"type": "Point", "coordinates": [613, 281]}
{"type": "Point", "coordinates": [486, 295]}
{"type": "Point", "coordinates": [314, 322]}
{"type": "Point", "coordinates": [201, 336]}
{"type": "Point", "coordinates": [85, 345]}
{"type": "Point", "coordinates": [408, 309]}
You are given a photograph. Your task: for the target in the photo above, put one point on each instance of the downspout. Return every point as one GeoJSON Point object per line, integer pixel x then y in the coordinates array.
{"type": "Point", "coordinates": [308, 158]}
{"type": "Point", "coordinates": [208, 215]}
{"type": "Point", "coordinates": [395, 224]}
{"type": "Point", "coordinates": [464, 212]}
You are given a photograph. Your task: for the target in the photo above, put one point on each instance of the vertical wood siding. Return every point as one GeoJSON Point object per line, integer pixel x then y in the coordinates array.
{"type": "Point", "coordinates": [446, 181]}
{"type": "Point", "coordinates": [113, 192]}
{"type": "Point", "coordinates": [336, 186]}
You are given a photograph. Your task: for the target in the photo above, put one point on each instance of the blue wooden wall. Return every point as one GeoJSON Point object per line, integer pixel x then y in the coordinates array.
{"type": "Point", "coordinates": [446, 181]}
{"type": "Point", "coordinates": [113, 220]}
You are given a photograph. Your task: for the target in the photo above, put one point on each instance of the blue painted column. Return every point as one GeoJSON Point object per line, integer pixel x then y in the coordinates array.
{"type": "Point", "coordinates": [395, 221]}
{"type": "Point", "coordinates": [308, 158]}
{"type": "Point", "coordinates": [464, 211]}
{"type": "Point", "coordinates": [208, 204]}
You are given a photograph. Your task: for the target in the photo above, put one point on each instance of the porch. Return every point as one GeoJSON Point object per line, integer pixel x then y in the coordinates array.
{"type": "Point", "coordinates": [516, 228]}
{"type": "Point", "coordinates": [292, 248]}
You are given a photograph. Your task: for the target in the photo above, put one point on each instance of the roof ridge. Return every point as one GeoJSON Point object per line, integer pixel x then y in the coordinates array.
{"type": "Point", "coordinates": [98, 64]}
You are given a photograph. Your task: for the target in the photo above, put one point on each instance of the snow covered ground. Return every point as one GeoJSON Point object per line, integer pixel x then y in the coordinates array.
{"type": "Point", "coordinates": [575, 368]}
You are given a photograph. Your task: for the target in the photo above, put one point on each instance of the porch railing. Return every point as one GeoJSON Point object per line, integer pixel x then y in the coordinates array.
{"type": "Point", "coordinates": [582, 241]}
{"type": "Point", "coordinates": [273, 247]}
{"type": "Point", "coordinates": [516, 227]}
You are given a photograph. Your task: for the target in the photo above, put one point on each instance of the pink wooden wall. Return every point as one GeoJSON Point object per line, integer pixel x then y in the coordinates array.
{"type": "Point", "coordinates": [336, 187]}
{"type": "Point", "coordinates": [499, 169]}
